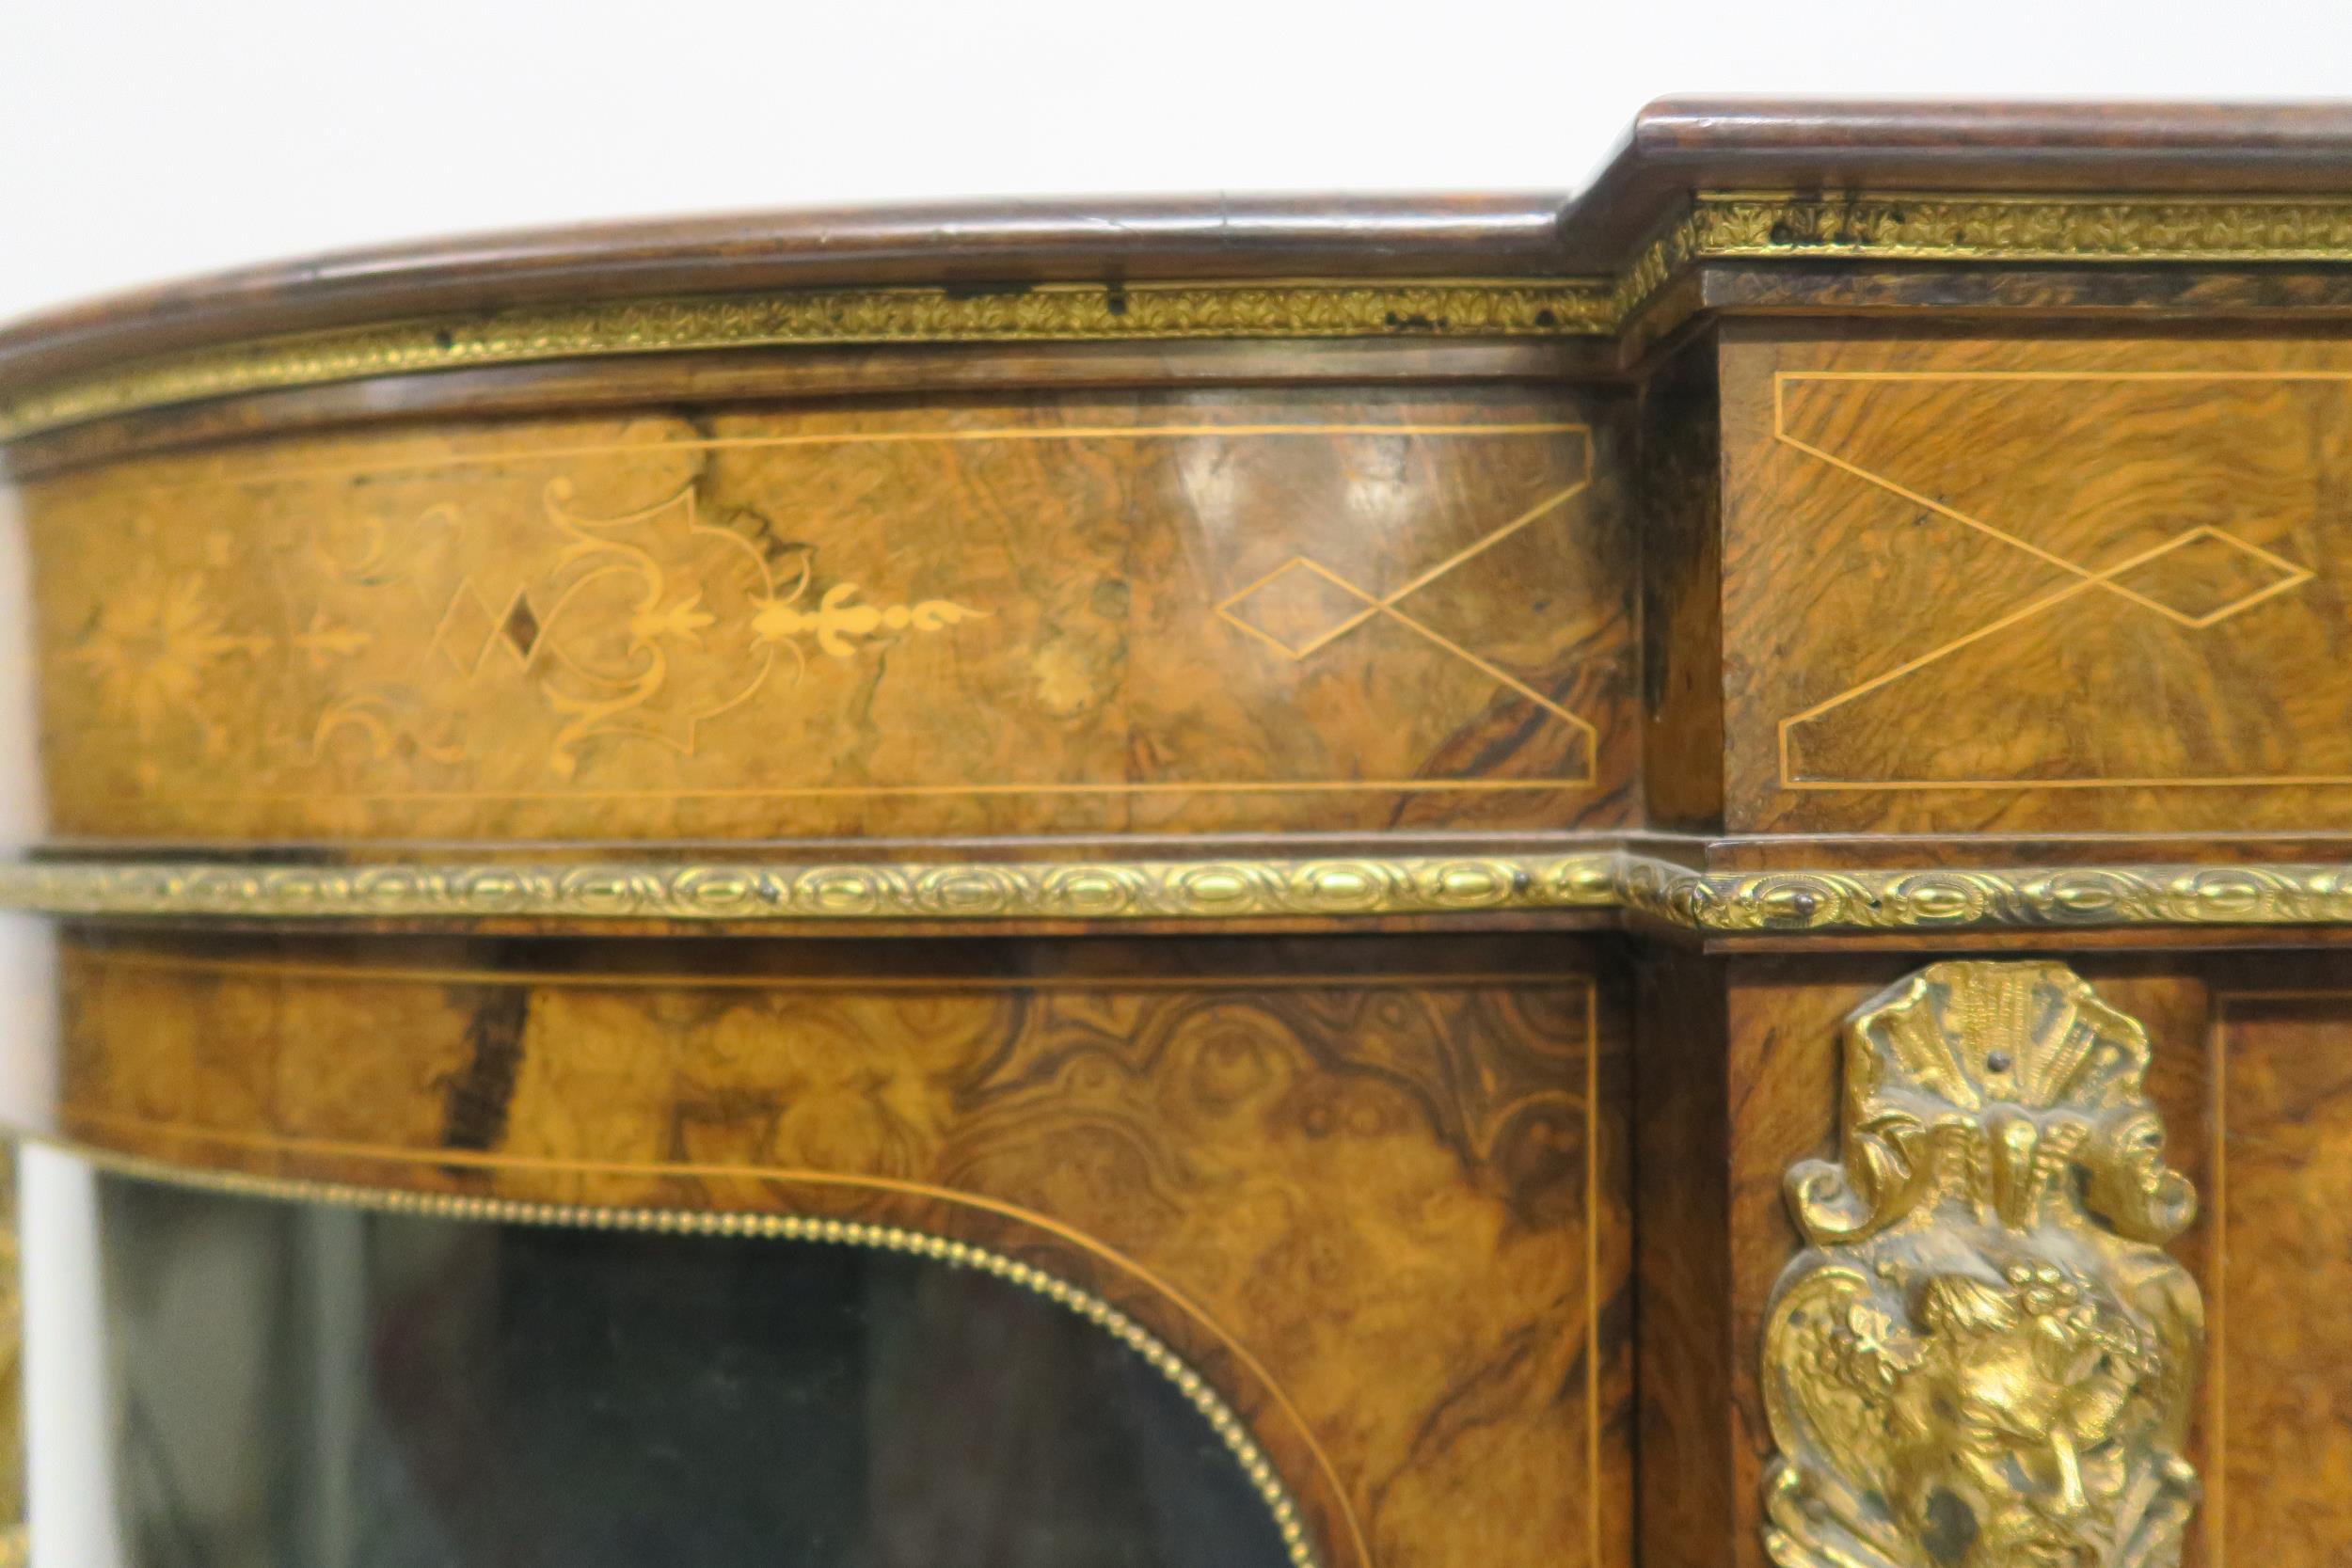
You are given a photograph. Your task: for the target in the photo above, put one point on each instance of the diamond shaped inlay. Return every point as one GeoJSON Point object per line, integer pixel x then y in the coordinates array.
{"type": "Point", "coordinates": [466, 629]}
{"type": "Point", "coordinates": [2207, 575]}
{"type": "Point", "coordinates": [469, 628]}
{"type": "Point", "coordinates": [1298, 608]}
{"type": "Point", "coordinates": [521, 627]}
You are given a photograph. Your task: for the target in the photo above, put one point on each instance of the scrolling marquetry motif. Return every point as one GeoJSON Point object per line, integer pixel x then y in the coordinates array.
{"type": "Point", "coordinates": [1984, 1359]}
{"type": "Point", "coordinates": [1109, 616]}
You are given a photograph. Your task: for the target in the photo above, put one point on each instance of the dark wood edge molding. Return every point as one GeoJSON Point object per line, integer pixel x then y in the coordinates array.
{"type": "Point", "coordinates": [1694, 181]}
{"type": "Point", "coordinates": [2062, 231]}
{"type": "Point", "coordinates": [1851, 147]}
{"type": "Point", "coordinates": [1633, 886]}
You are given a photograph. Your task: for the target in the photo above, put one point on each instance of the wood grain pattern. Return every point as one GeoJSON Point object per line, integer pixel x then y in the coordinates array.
{"type": "Point", "coordinates": [1679, 497]}
{"type": "Point", "coordinates": [943, 372]}
{"type": "Point", "coordinates": [2046, 585]}
{"type": "Point", "coordinates": [2281, 1396]}
{"type": "Point", "coordinates": [2248, 1074]}
{"type": "Point", "coordinates": [1949, 528]}
{"type": "Point", "coordinates": [1164, 614]}
{"type": "Point", "coordinates": [1377, 1191]}
{"type": "Point", "coordinates": [1684, 1348]}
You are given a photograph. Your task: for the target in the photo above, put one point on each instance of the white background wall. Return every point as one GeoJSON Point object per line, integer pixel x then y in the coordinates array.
{"type": "Point", "coordinates": [141, 139]}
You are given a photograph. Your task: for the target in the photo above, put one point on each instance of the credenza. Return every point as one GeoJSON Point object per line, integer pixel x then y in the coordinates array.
{"type": "Point", "coordinates": [1655, 878]}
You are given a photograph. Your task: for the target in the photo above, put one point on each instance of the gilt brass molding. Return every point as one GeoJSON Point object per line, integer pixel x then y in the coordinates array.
{"type": "Point", "coordinates": [1046, 312]}
{"type": "Point", "coordinates": [1072, 889]}
{"type": "Point", "coordinates": [1716, 226]}
{"type": "Point", "coordinates": [1984, 1358]}
{"type": "Point", "coordinates": [1730, 904]}
{"type": "Point", "coordinates": [2072, 897]}
{"type": "Point", "coordinates": [1885, 226]}
{"type": "Point", "coordinates": [1911, 228]}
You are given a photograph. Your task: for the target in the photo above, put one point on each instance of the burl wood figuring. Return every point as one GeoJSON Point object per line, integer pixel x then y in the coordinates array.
{"type": "Point", "coordinates": [1641, 879]}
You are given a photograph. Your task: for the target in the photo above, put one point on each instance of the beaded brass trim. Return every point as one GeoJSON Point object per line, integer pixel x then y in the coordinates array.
{"type": "Point", "coordinates": [1711, 903]}
{"type": "Point", "coordinates": [1716, 226]}
{"type": "Point", "coordinates": [1230, 1427]}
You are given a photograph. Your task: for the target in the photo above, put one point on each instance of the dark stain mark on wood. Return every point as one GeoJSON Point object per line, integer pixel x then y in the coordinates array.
{"type": "Point", "coordinates": [476, 1098]}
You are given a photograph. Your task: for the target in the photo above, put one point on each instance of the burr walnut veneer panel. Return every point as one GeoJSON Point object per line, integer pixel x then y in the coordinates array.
{"type": "Point", "coordinates": [1150, 613]}
{"type": "Point", "coordinates": [2027, 585]}
{"type": "Point", "coordinates": [2280, 1438]}
{"type": "Point", "coordinates": [470, 678]}
{"type": "Point", "coordinates": [1750, 1077]}
{"type": "Point", "coordinates": [1376, 1192]}
{"type": "Point", "coordinates": [2247, 1068]}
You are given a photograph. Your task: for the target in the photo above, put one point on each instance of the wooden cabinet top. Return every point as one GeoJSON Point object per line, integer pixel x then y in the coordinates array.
{"type": "Point", "coordinates": [1693, 181]}
{"type": "Point", "coordinates": [1863, 518]}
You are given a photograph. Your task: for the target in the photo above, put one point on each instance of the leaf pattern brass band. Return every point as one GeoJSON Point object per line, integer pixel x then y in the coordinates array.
{"type": "Point", "coordinates": [1089, 312]}
{"type": "Point", "coordinates": [1094, 889]}
{"type": "Point", "coordinates": [1716, 226]}
{"type": "Point", "coordinates": [2062, 897]}
{"type": "Point", "coordinates": [1717, 903]}
{"type": "Point", "coordinates": [2018, 229]}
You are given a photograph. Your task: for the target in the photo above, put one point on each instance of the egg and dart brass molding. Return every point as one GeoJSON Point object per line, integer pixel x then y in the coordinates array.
{"type": "Point", "coordinates": [1651, 890]}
